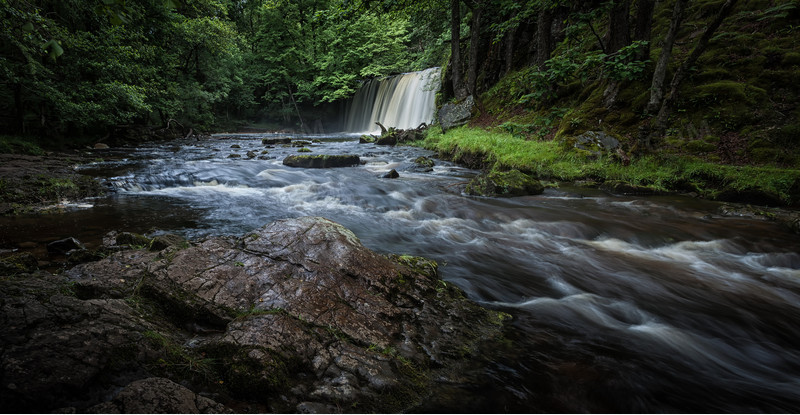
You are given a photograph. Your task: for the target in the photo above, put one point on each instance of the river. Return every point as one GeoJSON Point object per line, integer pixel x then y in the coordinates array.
{"type": "Point", "coordinates": [620, 304]}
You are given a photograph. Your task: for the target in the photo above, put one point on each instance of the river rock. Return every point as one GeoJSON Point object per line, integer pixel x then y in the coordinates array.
{"type": "Point", "coordinates": [162, 242]}
{"type": "Point", "coordinates": [322, 161]}
{"type": "Point", "coordinates": [619, 187]}
{"type": "Point", "coordinates": [18, 263]}
{"type": "Point", "coordinates": [456, 114]}
{"type": "Point", "coordinates": [127, 239]}
{"type": "Point", "coordinates": [596, 142]}
{"type": "Point", "coordinates": [423, 164]}
{"type": "Point", "coordinates": [57, 350]}
{"type": "Point", "coordinates": [394, 136]}
{"type": "Point", "coordinates": [296, 315]}
{"type": "Point", "coordinates": [274, 141]}
{"type": "Point", "coordinates": [158, 395]}
{"type": "Point", "coordinates": [392, 174]}
{"type": "Point", "coordinates": [62, 246]}
{"type": "Point", "coordinates": [786, 217]}
{"type": "Point", "coordinates": [504, 184]}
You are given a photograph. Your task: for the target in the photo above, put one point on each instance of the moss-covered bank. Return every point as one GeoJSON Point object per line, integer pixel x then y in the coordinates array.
{"type": "Point", "coordinates": [498, 149]}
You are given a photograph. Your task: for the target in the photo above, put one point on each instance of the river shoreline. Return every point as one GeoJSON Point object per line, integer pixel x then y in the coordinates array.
{"type": "Point", "coordinates": [599, 285]}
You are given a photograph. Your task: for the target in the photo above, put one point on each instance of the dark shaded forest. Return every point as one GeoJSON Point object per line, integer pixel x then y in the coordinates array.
{"type": "Point", "coordinates": [692, 76]}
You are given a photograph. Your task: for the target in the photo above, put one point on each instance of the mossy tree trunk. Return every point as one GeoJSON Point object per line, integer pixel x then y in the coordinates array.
{"type": "Point", "coordinates": [474, 44]}
{"type": "Point", "coordinates": [455, 45]}
{"type": "Point", "coordinates": [619, 34]}
{"type": "Point", "coordinates": [643, 26]}
{"type": "Point", "coordinates": [660, 72]}
{"type": "Point", "coordinates": [544, 37]}
{"type": "Point", "coordinates": [669, 101]}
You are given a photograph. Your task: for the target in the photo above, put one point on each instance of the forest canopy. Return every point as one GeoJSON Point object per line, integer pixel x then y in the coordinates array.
{"type": "Point", "coordinates": [76, 67]}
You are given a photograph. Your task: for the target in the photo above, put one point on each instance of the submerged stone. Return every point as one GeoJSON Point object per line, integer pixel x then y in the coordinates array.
{"type": "Point", "coordinates": [392, 174]}
{"type": "Point", "coordinates": [62, 246]}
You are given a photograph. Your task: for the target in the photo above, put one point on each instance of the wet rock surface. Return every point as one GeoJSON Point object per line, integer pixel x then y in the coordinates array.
{"type": "Point", "coordinates": [322, 161]}
{"type": "Point", "coordinates": [504, 184]}
{"type": "Point", "coordinates": [158, 395]}
{"type": "Point", "coordinates": [294, 316]}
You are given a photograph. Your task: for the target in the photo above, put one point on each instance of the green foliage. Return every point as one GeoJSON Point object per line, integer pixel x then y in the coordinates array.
{"type": "Point", "coordinates": [19, 145]}
{"type": "Point", "coordinates": [551, 160]}
{"type": "Point", "coordinates": [541, 85]}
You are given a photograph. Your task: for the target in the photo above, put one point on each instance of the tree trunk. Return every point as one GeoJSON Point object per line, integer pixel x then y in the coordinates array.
{"type": "Point", "coordinates": [455, 45]}
{"type": "Point", "coordinates": [474, 44]}
{"type": "Point", "coordinates": [643, 26]}
{"type": "Point", "coordinates": [19, 109]}
{"type": "Point", "coordinates": [660, 72]}
{"type": "Point", "coordinates": [509, 50]}
{"type": "Point", "coordinates": [296, 108]}
{"type": "Point", "coordinates": [619, 34]}
{"type": "Point", "coordinates": [669, 101]}
{"type": "Point", "coordinates": [544, 40]}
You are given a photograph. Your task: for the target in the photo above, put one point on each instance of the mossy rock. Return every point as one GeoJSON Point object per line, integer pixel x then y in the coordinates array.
{"type": "Point", "coordinates": [424, 162]}
{"type": "Point", "coordinates": [162, 242]}
{"type": "Point", "coordinates": [700, 146]}
{"type": "Point", "coordinates": [18, 264]}
{"type": "Point", "coordinates": [788, 135]}
{"type": "Point", "coordinates": [322, 161]}
{"type": "Point", "coordinates": [729, 91]}
{"type": "Point", "coordinates": [132, 239]}
{"type": "Point", "coordinates": [624, 188]}
{"type": "Point", "coordinates": [504, 184]}
{"type": "Point", "coordinates": [366, 139]}
{"type": "Point", "coordinates": [304, 150]}
{"type": "Point", "coordinates": [791, 58]}
{"type": "Point", "coordinates": [750, 195]}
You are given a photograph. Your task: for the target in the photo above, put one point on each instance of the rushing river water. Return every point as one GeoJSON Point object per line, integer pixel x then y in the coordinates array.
{"type": "Point", "coordinates": [620, 304]}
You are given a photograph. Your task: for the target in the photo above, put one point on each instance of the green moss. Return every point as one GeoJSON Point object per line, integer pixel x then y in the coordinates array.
{"type": "Point", "coordinates": [791, 59]}
{"type": "Point", "coordinates": [418, 264]}
{"type": "Point", "coordinates": [20, 145]}
{"type": "Point", "coordinates": [551, 161]}
{"type": "Point", "coordinates": [506, 184]}
{"type": "Point", "coordinates": [729, 91]}
{"type": "Point", "coordinates": [700, 146]}
{"type": "Point", "coordinates": [176, 361]}
{"type": "Point", "coordinates": [20, 263]}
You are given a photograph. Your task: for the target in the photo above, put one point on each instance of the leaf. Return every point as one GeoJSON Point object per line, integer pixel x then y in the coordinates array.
{"type": "Point", "coordinates": [28, 27]}
{"type": "Point", "coordinates": [172, 4]}
{"type": "Point", "coordinates": [53, 49]}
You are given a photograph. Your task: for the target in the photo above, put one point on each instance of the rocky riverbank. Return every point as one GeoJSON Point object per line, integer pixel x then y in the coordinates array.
{"type": "Point", "coordinates": [297, 316]}
{"type": "Point", "coordinates": [39, 182]}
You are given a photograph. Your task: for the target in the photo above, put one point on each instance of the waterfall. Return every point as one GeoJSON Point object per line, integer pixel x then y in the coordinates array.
{"type": "Point", "coordinates": [402, 101]}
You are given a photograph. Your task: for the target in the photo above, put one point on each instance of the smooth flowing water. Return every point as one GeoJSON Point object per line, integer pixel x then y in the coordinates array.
{"type": "Point", "coordinates": [620, 304]}
{"type": "Point", "coordinates": [401, 101]}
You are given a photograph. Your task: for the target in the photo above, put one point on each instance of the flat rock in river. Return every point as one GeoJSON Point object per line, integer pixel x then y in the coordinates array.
{"type": "Point", "coordinates": [322, 161]}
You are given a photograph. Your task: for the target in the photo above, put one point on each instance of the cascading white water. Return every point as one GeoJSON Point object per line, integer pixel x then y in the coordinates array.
{"type": "Point", "coordinates": [402, 101]}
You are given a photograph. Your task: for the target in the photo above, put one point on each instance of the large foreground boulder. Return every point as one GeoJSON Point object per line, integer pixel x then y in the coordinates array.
{"type": "Point", "coordinates": [295, 316]}
{"type": "Point", "coordinates": [322, 161]}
